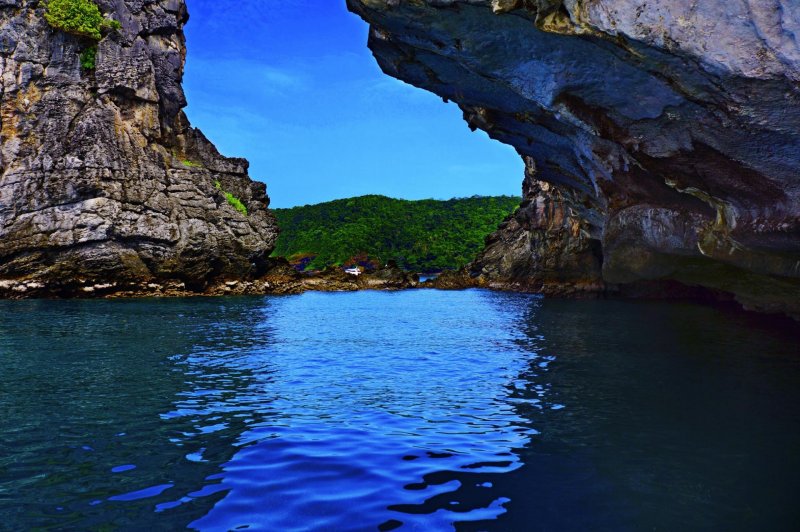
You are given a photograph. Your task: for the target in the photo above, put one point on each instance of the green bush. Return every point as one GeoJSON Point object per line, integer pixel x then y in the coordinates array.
{"type": "Point", "coordinates": [89, 58]}
{"type": "Point", "coordinates": [235, 202]}
{"type": "Point", "coordinates": [78, 17]}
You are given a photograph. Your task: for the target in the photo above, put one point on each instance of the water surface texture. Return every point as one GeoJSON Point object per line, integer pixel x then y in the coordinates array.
{"type": "Point", "coordinates": [416, 410]}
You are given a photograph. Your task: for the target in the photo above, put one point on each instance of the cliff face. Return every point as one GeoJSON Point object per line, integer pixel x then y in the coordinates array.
{"type": "Point", "coordinates": [103, 181]}
{"type": "Point", "coordinates": [662, 139]}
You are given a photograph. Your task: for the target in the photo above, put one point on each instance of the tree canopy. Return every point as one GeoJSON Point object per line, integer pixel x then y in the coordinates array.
{"type": "Point", "coordinates": [422, 236]}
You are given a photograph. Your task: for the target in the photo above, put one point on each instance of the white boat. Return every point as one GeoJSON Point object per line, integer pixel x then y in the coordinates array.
{"type": "Point", "coordinates": [353, 271]}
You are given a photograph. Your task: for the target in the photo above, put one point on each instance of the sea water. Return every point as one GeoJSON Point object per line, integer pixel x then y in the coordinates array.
{"type": "Point", "coordinates": [414, 410]}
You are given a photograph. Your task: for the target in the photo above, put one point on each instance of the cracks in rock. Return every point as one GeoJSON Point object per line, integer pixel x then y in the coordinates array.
{"type": "Point", "coordinates": [717, 234]}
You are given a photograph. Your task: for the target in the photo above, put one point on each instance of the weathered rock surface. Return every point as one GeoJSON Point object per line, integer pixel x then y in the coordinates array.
{"type": "Point", "coordinates": [103, 182]}
{"type": "Point", "coordinates": [662, 139]}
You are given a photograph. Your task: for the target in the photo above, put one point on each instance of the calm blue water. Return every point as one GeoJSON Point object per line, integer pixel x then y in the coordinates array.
{"type": "Point", "coordinates": [422, 410]}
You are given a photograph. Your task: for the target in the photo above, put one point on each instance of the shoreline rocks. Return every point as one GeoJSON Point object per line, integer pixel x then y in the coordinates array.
{"type": "Point", "coordinates": [280, 279]}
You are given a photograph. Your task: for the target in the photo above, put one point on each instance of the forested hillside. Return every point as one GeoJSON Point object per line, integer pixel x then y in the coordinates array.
{"type": "Point", "coordinates": [423, 236]}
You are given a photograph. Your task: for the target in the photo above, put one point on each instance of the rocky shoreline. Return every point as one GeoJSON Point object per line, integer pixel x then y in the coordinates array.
{"type": "Point", "coordinates": [280, 279]}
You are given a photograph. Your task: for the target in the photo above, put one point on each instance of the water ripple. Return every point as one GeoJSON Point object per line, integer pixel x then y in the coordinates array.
{"type": "Point", "coordinates": [419, 410]}
{"type": "Point", "coordinates": [345, 421]}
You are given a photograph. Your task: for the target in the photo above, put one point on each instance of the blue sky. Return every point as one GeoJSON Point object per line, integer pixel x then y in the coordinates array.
{"type": "Point", "coordinates": [291, 86]}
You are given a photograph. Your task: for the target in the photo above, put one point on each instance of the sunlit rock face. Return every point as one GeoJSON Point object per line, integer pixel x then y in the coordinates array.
{"type": "Point", "coordinates": [102, 179]}
{"type": "Point", "coordinates": [662, 139]}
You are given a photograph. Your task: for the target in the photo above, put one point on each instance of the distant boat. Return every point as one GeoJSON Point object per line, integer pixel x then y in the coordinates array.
{"type": "Point", "coordinates": [353, 271]}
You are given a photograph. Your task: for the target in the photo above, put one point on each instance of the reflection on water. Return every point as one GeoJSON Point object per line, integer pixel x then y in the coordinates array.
{"type": "Point", "coordinates": [415, 410]}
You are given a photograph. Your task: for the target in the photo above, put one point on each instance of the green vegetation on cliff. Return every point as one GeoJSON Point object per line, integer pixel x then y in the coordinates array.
{"type": "Point", "coordinates": [235, 202]}
{"type": "Point", "coordinates": [78, 17]}
{"type": "Point", "coordinates": [426, 235]}
{"type": "Point", "coordinates": [89, 58]}
{"type": "Point", "coordinates": [82, 18]}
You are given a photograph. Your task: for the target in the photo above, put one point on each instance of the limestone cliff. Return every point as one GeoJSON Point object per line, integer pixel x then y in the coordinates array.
{"type": "Point", "coordinates": [103, 182]}
{"type": "Point", "coordinates": [662, 139]}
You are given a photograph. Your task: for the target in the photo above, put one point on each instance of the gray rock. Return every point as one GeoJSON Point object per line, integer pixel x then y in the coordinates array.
{"type": "Point", "coordinates": [102, 178]}
{"type": "Point", "coordinates": [668, 134]}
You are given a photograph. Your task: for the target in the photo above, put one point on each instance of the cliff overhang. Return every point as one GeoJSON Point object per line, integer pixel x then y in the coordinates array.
{"type": "Point", "coordinates": [661, 139]}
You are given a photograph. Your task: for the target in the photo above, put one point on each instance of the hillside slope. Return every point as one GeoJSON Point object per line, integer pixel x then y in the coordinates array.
{"type": "Point", "coordinates": [424, 235]}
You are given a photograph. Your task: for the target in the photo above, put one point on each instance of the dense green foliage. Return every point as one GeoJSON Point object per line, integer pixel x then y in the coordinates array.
{"type": "Point", "coordinates": [423, 236]}
{"type": "Point", "coordinates": [89, 58]}
{"type": "Point", "coordinates": [78, 17]}
{"type": "Point", "coordinates": [235, 202]}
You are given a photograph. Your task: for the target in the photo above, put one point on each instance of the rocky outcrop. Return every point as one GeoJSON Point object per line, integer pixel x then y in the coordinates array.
{"type": "Point", "coordinates": [545, 246]}
{"type": "Point", "coordinates": [103, 182]}
{"type": "Point", "coordinates": [281, 278]}
{"type": "Point", "coordinates": [662, 139]}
